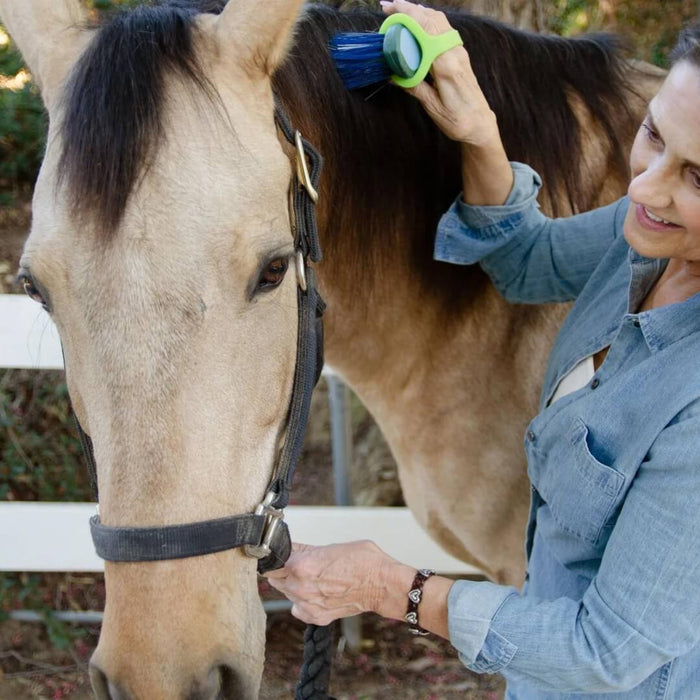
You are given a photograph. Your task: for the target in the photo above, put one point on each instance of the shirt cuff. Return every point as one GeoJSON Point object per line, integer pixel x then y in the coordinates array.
{"type": "Point", "coordinates": [467, 234]}
{"type": "Point", "coordinates": [471, 607]}
{"type": "Point", "coordinates": [526, 185]}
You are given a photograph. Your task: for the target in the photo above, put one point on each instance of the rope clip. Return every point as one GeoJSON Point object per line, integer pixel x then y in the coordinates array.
{"type": "Point", "coordinates": [273, 516]}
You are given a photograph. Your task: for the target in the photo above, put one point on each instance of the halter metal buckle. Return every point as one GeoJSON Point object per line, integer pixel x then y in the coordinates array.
{"type": "Point", "coordinates": [301, 270]}
{"type": "Point", "coordinates": [273, 517]}
{"type": "Point", "coordinates": [303, 168]}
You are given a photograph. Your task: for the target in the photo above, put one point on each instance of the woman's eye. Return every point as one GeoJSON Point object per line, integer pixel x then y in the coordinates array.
{"type": "Point", "coordinates": [695, 178]}
{"type": "Point", "coordinates": [273, 274]}
{"type": "Point", "coordinates": [652, 134]}
{"type": "Point", "coordinates": [30, 290]}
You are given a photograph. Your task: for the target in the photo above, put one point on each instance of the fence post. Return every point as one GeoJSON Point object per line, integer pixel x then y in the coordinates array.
{"type": "Point", "coordinates": [341, 440]}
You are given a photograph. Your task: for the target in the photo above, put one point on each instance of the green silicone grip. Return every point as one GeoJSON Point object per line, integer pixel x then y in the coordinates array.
{"type": "Point", "coordinates": [432, 45]}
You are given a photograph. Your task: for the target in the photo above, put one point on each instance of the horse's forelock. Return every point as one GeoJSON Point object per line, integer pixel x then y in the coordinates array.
{"type": "Point", "coordinates": [113, 104]}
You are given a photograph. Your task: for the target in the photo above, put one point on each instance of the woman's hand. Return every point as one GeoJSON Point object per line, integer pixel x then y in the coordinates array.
{"type": "Point", "coordinates": [458, 107]}
{"type": "Point", "coordinates": [327, 583]}
{"type": "Point", "coordinates": [454, 101]}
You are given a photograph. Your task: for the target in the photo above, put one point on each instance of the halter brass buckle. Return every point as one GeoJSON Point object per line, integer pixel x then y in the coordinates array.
{"type": "Point", "coordinates": [303, 168]}
{"type": "Point", "coordinates": [273, 517]}
{"type": "Point", "coordinates": [301, 271]}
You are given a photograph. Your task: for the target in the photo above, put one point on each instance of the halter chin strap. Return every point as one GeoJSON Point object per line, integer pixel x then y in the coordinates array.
{"type": "Point", "coordinates": [263, 534]}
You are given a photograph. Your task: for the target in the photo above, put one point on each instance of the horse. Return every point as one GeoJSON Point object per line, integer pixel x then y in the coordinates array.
{"type": "Point", "coordinates": [161, 246]}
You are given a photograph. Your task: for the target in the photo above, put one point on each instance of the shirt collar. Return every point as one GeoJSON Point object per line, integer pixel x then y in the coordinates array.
{"type": "Point", "coordinates": [668, 324]}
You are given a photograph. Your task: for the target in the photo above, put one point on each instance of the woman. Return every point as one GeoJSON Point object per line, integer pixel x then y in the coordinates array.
{"type": "Point", "coordinates": [611, 603]}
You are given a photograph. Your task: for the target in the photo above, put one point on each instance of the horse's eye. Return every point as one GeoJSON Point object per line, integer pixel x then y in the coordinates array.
{"type": "Point", "coordinates": [273, 274]}
{"type": "Point", "coordinates": [30, 289]}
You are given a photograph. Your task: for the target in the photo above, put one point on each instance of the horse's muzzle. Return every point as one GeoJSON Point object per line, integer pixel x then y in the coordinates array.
{"type": "Point", "coordinates": [221, 682]}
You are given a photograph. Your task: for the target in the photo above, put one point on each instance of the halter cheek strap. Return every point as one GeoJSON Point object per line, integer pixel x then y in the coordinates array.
{"type": "Point", "coordinates": [263, 534]}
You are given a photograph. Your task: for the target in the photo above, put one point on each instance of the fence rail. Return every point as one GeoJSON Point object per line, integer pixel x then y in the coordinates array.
{"type": "Point", "coordinates": [55, 536]}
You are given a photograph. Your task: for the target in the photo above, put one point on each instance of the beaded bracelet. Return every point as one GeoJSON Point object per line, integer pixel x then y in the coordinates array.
{"type": "Point", "coordinates": [414, 598]}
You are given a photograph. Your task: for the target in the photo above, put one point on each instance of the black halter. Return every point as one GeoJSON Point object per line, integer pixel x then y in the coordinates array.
{"type": "Point", "coordinates": [263, 534]}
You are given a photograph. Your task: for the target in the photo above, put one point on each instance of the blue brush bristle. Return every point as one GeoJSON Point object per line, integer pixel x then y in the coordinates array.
{"type": "Point", "coordinates": [359, 58]}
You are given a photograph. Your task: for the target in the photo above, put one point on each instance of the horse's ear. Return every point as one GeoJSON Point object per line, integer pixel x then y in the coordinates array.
{"type": "Point", "coordinates": [259, 32]}
{"type": "Point", "coordinates": [50, 35]}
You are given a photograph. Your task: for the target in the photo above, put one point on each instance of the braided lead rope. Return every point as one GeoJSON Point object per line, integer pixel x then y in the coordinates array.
{"type": "Point", "coordinates": [315, 673]}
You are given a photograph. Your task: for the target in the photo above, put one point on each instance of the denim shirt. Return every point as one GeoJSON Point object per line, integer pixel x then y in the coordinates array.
{"type": "Point", "coordinates": [611, 602]}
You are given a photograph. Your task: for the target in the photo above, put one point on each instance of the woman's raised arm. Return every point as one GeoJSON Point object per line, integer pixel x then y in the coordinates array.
{"type": "Point", "coordinates": [458, 107]}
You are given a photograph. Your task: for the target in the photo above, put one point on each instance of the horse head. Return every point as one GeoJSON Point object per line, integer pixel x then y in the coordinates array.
{"type": "Point", "coordinates": [161, 247]}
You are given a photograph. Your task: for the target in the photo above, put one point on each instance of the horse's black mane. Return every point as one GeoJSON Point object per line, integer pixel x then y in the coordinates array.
{"type": "Point", "coordinates": [113, 103]}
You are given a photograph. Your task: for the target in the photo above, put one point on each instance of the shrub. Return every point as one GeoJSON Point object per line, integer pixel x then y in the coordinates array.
{"type": "Point", "coordinates": [40, 454]}
{"type": "Point", "coordinates": [22, 125]}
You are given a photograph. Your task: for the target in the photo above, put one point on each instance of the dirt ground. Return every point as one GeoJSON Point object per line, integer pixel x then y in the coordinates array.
{"type": "Point", "coordinates": [391, 663]}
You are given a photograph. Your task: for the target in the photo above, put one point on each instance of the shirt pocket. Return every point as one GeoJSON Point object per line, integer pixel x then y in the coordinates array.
{"type": "Point", "coordinates": [581, 491]}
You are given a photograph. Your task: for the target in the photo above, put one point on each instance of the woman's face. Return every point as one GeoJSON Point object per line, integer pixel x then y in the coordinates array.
{"type": "Point", "coordinates": [663, 220]}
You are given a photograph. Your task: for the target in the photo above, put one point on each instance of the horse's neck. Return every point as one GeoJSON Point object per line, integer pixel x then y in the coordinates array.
{"type": "Point", "coordinates": [450, 371]}
{"type": "Point", "coordinates": [396, 318]}
{"type": "Point", "coordinates": [410, 335]}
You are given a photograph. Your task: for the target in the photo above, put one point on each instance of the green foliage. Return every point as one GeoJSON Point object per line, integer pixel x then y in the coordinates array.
{"type": "Point", "coordinates": [22, 117]}
{"type": "Point", "coordinates": [22, 127]}
{"type": "Point", "coordinates": [61, 635]}
{"type": "Point", "coordinates": [40, 454]}
{"type": "Point", "coordinates": [19, 590]}
{"type": "Point", "coordinates": [569, 17]}
{"type": "Point", "coordinates": [649, 27]}
{"type": "Point", "coordinates": [30, 592]}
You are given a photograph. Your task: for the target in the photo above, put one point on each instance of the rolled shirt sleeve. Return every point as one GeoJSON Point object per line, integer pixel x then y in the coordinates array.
{"type": "Point", "coordinates": [640, 611]}
{"type": "Point", "coordinates": [529, 257]}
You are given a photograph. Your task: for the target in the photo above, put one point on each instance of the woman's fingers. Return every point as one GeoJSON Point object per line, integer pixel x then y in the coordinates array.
{"type": "Point", "coordinates": [433, 21]}
{"type": "Point", "coordinates": [336, 580]}
{"type": "Point", "coordinates": [454, 101]}
{"type": "Point", "coordinates": [315, 615]}
{"type": "Point", "coordinates": [300, 547]}
{"type": "Point", "coordinates": [426, 95]}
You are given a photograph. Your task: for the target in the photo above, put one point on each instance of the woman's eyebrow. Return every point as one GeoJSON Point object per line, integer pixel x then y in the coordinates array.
{"type": "Point", "coordinates": [650, 118]}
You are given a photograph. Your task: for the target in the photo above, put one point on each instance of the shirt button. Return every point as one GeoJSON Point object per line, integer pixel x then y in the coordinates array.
{"type": "Point", "coordinates": [531, 436]}
{"type": "Point", "coordinates": [594, 383]}
{"type": "Point", "coordinates": [636, 323]}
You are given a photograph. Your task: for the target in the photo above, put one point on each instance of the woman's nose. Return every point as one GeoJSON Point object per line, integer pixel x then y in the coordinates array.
{"type": "Point", "coordinates": [652, 186]}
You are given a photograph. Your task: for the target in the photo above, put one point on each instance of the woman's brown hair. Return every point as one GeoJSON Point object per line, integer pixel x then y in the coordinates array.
{"type": "Point", "coordinates": [687, 47]}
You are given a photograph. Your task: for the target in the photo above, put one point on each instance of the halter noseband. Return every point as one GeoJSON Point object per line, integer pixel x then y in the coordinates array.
{"type": "Point", "coordinates": [263, 534]}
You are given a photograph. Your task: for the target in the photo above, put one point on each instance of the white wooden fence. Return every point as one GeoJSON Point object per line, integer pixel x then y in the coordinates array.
{"type": "Point", "coordinates": [55, 536]}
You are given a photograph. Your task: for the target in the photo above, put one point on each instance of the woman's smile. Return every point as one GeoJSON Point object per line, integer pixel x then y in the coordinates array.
{"type": "Point", "coordinates": [651, 221]}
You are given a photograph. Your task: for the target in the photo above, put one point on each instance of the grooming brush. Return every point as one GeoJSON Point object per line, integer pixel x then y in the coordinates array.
{"type": "Point", "coordinates": [401, 51]}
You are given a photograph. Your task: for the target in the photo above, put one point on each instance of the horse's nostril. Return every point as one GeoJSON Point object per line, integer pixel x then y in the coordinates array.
{"type": "Point", "coordinates": [208, 686]}
{"type": "Point", "coordinates": [100, 684]}
{"type": "Point", "coordinates": [103, 688]}
{"type": "Point", "coordinates": [222, 682]}
{"type": "Point", "coordinates": [215, 682]}
{"type": "Point", "coordinates": [231, 686]}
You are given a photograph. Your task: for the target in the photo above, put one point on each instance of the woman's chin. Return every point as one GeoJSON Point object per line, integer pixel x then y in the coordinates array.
{"type": "Point", "coordinates": [650, 244]}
